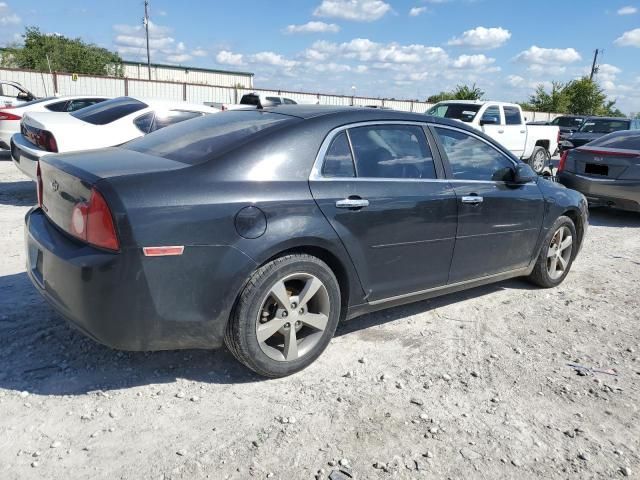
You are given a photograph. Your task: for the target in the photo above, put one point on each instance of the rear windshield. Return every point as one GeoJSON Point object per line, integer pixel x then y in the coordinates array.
{"type": "Point", "coordinates": [198, 140]}
{"type": "Point", "coordinates": [457, 111]}
{"type": "Point", "coordinates": [628, 141]}
{"type": "Point", "coordinates": [604, 126]}
{"type": "Point", "coordinates": [250, 100]}
{"type": "Point", "coordinates": [109, 111]}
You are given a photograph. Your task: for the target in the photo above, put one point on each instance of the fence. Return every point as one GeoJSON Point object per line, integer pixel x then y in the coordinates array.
{"type": "Point", "coordinates": [45, 84]}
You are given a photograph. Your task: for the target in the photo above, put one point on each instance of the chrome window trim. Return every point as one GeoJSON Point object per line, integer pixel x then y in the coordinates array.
{"type": "Point", "coordinates": [316, 170]}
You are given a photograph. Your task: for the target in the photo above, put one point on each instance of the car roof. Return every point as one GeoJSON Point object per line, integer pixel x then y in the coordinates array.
{"type": "Point", "coordinates": [314, 111]}
{"type": "Point", "coordinates": [480, 102]}
{"type": "Point", "coordinates": [608, 118]}
{"type": "Point", "coordinates": [174, 104]}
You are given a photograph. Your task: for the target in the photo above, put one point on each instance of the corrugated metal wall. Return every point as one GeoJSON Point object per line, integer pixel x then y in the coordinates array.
{"type": "Point", "coordinates": [43, 85]}
{"type": "Point", "coordinates": [186, 75]}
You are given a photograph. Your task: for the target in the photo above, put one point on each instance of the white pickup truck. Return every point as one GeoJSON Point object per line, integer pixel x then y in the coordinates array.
{"type": "Point", "coordinates": [254, 100]}
{"type": "Point", "coordinates": [505, 123]}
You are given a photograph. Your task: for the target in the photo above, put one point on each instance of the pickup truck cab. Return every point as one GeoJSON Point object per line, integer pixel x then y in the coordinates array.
{"type": "Point", "coordinates": [504, 123]}
{"type": "Point", "coordinates": [250, 101]}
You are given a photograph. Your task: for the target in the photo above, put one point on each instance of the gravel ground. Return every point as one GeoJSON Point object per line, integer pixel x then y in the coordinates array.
{"type": "Point", "coordinates": [471, 385]}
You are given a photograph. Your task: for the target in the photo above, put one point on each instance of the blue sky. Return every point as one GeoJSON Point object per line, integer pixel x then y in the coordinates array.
{"type": "Point", "coordinates": [393, 48]}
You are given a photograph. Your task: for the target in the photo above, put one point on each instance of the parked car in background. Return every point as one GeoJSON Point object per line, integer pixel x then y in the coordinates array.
{"type": "Point", "coordinates": [250, 101]}
{"type": "Point", "coordinates": [10, 117]}
{"type": "Point", "coordinates": [596, 127]}
{"type": "Point", "coordinates": [263, 229]}
{"type": "Point", "coordinates": [12, 94]}
{"type": "Point", "coordinates": [504, 123]}
{"type": "Point", "coordinates": [105, 124]}
{"type": "Point", "coordinates": [606, 170]}
{"type": "Point", "coordinates": [568, 124]}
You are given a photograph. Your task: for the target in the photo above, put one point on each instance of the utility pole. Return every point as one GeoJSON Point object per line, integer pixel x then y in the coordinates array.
{"type": "Point", "coordinates": [146, 28]}
{"type": "Point", "coordinates": [594, 67]}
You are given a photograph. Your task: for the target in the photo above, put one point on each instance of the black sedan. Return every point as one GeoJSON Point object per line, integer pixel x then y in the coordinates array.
{"type": "Point", "coordinates": [264, 229]}
{"type": "Point", "coordinates": [606, 171]}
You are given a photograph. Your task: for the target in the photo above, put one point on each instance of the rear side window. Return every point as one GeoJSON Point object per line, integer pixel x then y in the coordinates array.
{"type": "Point", "coordinates": [628, 141]}
{"type": "Point", "coordinates": [512, 116]}
{"type": "Point", "coordinates": [338, 161]}
{"type": "Point", "coordinates": [491, 115]}
{"type": "Point", "coordinates": [143, 122]}
{"type": "Point", "coordinates": [57, 107]}
{"type": "Point", "coordinates": [288, 101]}
{"type": "Point", "coordinates": [83, 103]}
{"type": "Point", "coordinates": [109, 111]}
{"type": "Point", "coordinates": [275, 100]}
{"type": "Point", "coordinates": [392, 151]}
{"type": "Point", "coordinates": [165, 119]}
{"type": "Point", "coordinates": [471, 158]}
{"type": "Point", "coordinates": [199, 140]}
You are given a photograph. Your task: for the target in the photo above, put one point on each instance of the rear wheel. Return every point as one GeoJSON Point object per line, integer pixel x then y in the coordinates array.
{"type": "Point", "coordinates": [539, 159]}
{"type": "Point", "coordinates": [285, 316]}
{"type": "Point", "coordinates": [556, 255]}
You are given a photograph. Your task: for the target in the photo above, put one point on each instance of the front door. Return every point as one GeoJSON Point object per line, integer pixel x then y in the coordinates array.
{"type": "Point", "coordinates": [379, 187]}
{"type": "Point", "coordinates": [498, 221]}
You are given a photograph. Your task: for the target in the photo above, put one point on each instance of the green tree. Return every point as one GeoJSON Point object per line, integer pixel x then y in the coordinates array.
{"type": "Point", "coordinates": [554, 101]}
{"type": "Point", "coordinates": [65, 55]}
{"type": "Point", "coordinates": [461, 92]}
{"type": "Point", "coordinates": [587, 97]}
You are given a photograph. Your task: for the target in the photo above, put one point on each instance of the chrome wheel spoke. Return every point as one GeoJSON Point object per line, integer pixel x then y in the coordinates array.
{"type": "Point", "coordinates": [268, 330]}
{"type": "Point", "coordinates": [290, 344]}
{"type": "Point", "coordinates": [316, 320]}
{"type": "Point", "coordinates": [551, 252]}
{"type": "Point", "coordinates": [566, 243]}
{"type": "Point", "coordinates": [563, 263]}
{"type": "Point", "coordinates": [310, 289]}
{"type": "Point", "coordinates": [553, 268]}
{"type": "Point", "coordinates": [279, 293]}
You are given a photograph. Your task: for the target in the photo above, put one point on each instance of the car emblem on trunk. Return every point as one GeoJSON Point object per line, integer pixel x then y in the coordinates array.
{"type": "Point", "coordinates": [55, 186]}
{"type": "Point", "coordinates": [598, 159]}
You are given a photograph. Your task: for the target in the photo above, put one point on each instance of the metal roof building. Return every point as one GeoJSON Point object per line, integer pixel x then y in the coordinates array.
{"type": "Point", "coordinates": [194, 75]}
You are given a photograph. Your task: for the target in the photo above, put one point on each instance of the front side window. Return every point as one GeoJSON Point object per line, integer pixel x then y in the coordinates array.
{"type": "Point", "coordinates": [109, 111]}
{"type": "Point", "coordinates": [57, 106]}
{"type": "Point", "coordinates": [512, 116]}
{"type": "Point", "coordinates": [392, 151]}
{"type": "Point", "coordinates": [288, 101]}
{"type": "Point", "coordinates": [491, 115]}
{"type": "Point", "coordinates": [472, 159]}
{"type": "Point", "coordinates": [595, 125]}
{"type": "Point", "coordinates": [465, 112]}
{"type": "Point", "coordinates": [338, 161]}
{"type": "Point", "coordinates": [83, 103]}
{"type": "Point", "coordinates": [274, 100]}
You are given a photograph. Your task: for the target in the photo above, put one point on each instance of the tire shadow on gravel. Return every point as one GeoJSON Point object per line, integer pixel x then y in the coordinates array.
{"type": "Point", "coordinates": [18, 194]}
{"type": "Point", "coordinates": [609, 217]}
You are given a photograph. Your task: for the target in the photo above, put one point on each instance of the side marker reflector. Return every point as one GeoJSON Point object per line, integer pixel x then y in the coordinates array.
{"type": "Point", "coordinates": [162, 251]}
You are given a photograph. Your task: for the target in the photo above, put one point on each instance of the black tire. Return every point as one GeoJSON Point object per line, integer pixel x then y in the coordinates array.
{"type": "Point", "coordinates": [532, 160]}
{"type": "Point", "coordinates": [241, 334]}
{"type": "Point", "coordinates": [540, 275]}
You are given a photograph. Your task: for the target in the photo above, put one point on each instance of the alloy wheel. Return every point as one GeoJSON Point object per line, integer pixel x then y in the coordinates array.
{"type": "Point", "coordinates": [539, 161]}
{"type": "Point", "coordinates": [559, 252]}
{"type": "Point", "coordinates": [293, 317]}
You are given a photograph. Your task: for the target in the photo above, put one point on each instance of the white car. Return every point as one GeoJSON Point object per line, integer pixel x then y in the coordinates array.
{"type": "Point", "coordinates": [106, 124]}
{"type": "Point", "coordinates": [10, 117]}
{"type": "Point", "coordinates": [505, 123]}
{"type": "Point", "coordinates": [255, 100]}
{"type": "Point", "coordinates": [12, 94]}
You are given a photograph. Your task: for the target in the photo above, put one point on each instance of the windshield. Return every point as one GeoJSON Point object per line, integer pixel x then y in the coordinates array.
{"type": "Point", "coordinates": [604, 126]}
{"type": "Point", "coordinates": [569, 122]}
{"type": "Point", "coordinates": [196, 141]}
{"type": "Point", "coordinates": [109, 111]}
{"type": "Point", "coordinates": [457, 111]}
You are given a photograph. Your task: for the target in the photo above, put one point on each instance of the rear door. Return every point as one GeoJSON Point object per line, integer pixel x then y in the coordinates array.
{"type": "Point", "coordinates": [515, 131]}
{"type": "Point", "coordinates": [498, 222]}
{"type": "Point", "coordinates": [383, 191]}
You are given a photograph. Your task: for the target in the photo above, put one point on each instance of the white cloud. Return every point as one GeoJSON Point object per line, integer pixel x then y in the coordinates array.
{"type": "Point", "coordinates": [274, 59]}
{"type": "Point", "coordinates": [481, 37]}
{"type": "Point", "coordinates": [627, 10]}
{"type": "Point", "coordinates": [629, 39]}
{"type": "Point", "coordinates": [516, 80]}
{"type": "Point", "coordinates": [313, 27]}
{"type": "Point", "coordinates": [415, 11]}
{"type": "Point", "coordinates": [7, 17]}
{"type": "Point", "coordinates": [225, 57]}
{"type": "Point", "coordinates": [199, 52]}
{"type": "Point", "coordinates": [474, 62]}
{"type": "Point", "coordinates": [548, 56]}
{"type": "Point", "coordinates": [354, 10]}
{"type": "Point", "coordinates": [178, 58]}
{"type": "Point", "coordinates": [130, 41]}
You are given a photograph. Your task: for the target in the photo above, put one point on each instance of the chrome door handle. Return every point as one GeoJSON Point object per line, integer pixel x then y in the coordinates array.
{"type": "Point", "coordinates": [500, 131]}
{"type": "Point", "coordinates": [472, 200]}
{"type": "Point", "coordinates": [352, 203]}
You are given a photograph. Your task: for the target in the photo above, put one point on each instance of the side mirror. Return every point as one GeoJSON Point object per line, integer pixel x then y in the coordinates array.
{"type": "Point", "coordinates": [489, 121]}
{"type": "Point", "coordinates": [27, 97]}
{"type": "Point", "coordinates": [524, 174]}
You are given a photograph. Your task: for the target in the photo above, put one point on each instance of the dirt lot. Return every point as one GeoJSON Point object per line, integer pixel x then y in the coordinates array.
{"type": "Point", "coordinates": [471, 385]}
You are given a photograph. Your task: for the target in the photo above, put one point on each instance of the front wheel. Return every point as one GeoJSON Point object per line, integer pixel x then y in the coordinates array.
{"type": "Point", "coordinates": [539, 159]}
{"type": "Point", "coordinates": [556, 255]}
{"type": "Point", "coordinates": [285, 316]}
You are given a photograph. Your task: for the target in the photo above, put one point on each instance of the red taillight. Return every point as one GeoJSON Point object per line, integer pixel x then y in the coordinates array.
{"type": "Point", "coordinates": [9, 116]}
{"type": "Point", "coordinates": [39, 184]}
{"type": "Point", "coordinates": [92, 222]}
{"type": "Point", "coordinates": [46, 140]}
{"type": "Point", "coordinates": [563, 160]}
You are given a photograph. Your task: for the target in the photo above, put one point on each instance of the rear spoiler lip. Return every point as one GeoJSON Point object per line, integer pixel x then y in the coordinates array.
{"type": "Point", "coordinates": [610, 152]}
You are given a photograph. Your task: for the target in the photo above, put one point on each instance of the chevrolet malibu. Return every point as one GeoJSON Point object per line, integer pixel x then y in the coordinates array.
{"type": "Point", "coordinates": [263, 229]}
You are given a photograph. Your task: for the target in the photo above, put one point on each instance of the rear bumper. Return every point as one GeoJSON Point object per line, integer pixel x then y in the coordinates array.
{"type": "Point", "coordinates": [130, 302]}
{"type": "Point", "coordinates": [623, 194]}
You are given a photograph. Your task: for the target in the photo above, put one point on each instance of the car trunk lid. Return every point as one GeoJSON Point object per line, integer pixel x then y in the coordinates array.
{"type": "Point", "coordinates": [599, 162]}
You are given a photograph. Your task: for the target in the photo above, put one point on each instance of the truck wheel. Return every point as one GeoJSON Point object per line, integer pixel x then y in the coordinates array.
{"type": "Point", "coordinates": [539, 159]}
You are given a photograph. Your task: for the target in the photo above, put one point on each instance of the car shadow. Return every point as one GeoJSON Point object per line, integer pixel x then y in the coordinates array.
{"type": "Point", "coordinates": [40, 353]}
{"type": "Point", "coordinates": [610, 217]}
{"type": "Point", "coordinates": [18, 194]}
{"type": "Point", "coordinates": [5, 155]}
